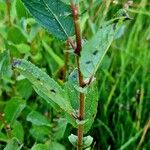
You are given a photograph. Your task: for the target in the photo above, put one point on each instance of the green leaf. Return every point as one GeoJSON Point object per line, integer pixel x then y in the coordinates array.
{"type": "Point", "coordinates": [12, 145]}
{"type": "Point", "coordinates": [3, 137]}
{"type": "Point", "coordinates": [91, 106]}
{"type": "Point", "coordinates": [56, 146]}
{"type": "Point", "coordinates": [5, 67]}
{"type": "Point", "coordinates": [39, 147]}
{"type": "Point", "coordinates": [15, 35]}
{"type": "Point", "coordinates": [95, 49]}
{"type": "Point", "coordinates": [20, 9]}
{"type": "Point", "coordinates": [60, 128]}
{"type": "Point", "coordinates": [73, 139]}
{"type": "Point", "coordinates": [13, 109]}
{"type": "Point", "coordinates": [56, 58]}
{"type": "Point", "coordinates": [91, 100]}
{"type": "Point", "coordinates": [68, 1]}
{"type": "Point", "coordinates": [38, 119]}
{"type": "Point", "coordinates": [24, 87]}
{"type": "Point", "coordinates": [53, 15]}
{"type": "Point", "coordinates": [23, 48]}
{"type": "Point", "coordinates": [40, 133]}
{"type": "Point", "coordinates": [87, 141]}
{"type": "Point", "coordinates": [17, 131]}
{"type": "Point", "coordinates": [44, 85]}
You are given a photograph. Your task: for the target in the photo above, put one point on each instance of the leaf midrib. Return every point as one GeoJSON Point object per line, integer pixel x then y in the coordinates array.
{"type": "Point", "coordinates": [56, 18]}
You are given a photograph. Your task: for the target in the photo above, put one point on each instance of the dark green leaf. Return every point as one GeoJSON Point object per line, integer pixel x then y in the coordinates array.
{"type": "Point", "coordinates": [53, 15]}
{"type": "Point", "coordinates": [38, 119]}
{"type": "Point", "coordinates": [13, 109]}
{"type": "Point", "coordinates": [44, 85]}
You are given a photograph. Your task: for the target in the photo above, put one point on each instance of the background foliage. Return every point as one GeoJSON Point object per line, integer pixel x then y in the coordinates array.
{"type": "Point", "coordinates": [123, 118]}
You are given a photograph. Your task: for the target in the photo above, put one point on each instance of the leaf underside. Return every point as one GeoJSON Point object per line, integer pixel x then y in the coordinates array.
{"type": "Point", "coordinates": [94, 50]}
{"type": "Point", "coordinates": [45, 86]}
{"type": "Point", "coordinates": [54, 15]}
{"type": "Point", "coordinates": [91, 100]}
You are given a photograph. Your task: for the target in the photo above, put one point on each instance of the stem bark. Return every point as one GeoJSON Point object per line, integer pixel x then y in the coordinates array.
{"type": "Point", "coordinates": [78, 49]}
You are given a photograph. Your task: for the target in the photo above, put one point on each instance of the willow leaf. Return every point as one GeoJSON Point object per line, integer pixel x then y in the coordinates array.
{"type": "Point", "coordinates": [91, 100]}
{"type": "Point", "coordinates": [54, 15]}
{"type": "Point", "coordinates": [95, 49]}
{"type": "Point", "coordinates": [44, 85]}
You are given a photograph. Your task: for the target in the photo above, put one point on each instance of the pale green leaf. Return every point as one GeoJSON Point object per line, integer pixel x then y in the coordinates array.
{"type": "Point", "coordinates": [87, 141]}
{"type": "Point", "coordinates": [53, 15]}
{"type": "Point", "coordinates": [95, 49]}
{"type": "Point", "coordinates": [56, 146]}
{"type": "Point", "coordinates": [5, 70]}
{"type": "Point", "coordinates": [17, 131]}
{"type": "Point", "coordinates": [60, 128]}
{"type": "Point", "coordinates": [44, 85]}
{"type": "Point", "coordinates": [24, 87]}
{"type": "Point", "coordinates": [12, 145]}
{"type": "Point", "coordinates": [91, 103]}
{"type": "Point", "coordinates": [40, 133]}
{"type": "Point", "coordinates": [38, 119]}
{"type": "Point", "coordinates": [3, 137]}
{"type": "Point", "coordinates": [39, 147]}
{"type": "Point", "coordinates": [91, 100]}
{"type": "Point", "coordinates": [13, 109]}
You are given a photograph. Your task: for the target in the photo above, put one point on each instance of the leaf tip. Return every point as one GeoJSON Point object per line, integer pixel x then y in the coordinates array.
{"type": "Point", "coordinates": [15, 63]}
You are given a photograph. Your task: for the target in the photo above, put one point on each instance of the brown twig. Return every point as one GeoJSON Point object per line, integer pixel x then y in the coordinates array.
{"type": "Point", "coordinates": [78, 49]}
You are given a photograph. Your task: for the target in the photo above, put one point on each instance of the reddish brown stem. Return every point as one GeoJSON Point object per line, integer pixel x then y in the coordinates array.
{"type": "Point", "coordinates": [81, 80]}
{"type": "Point", "coordinates": [77, 27]}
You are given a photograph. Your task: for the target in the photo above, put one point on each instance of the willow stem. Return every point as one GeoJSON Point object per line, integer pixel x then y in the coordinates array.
{"type": "Point", "coordinates": [78, 49]}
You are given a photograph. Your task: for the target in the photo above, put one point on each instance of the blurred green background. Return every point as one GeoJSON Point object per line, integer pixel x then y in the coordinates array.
{"type": "Point", "coordinates": [123, 117]}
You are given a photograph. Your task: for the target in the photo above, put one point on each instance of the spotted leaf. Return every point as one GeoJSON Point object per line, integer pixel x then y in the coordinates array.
{"type": "Point", "coordinates": [45, 86]}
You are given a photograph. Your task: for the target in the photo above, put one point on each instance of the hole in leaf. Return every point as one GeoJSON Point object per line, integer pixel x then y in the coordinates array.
{"type": "Point", "coordinates": [95, 52]}
{"type": "Point", "coordinates": [38, 79]}
{"type": "Point", "coordinates": [88, 62]}
{"type": "Point", "coordinates": [53, 91]}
